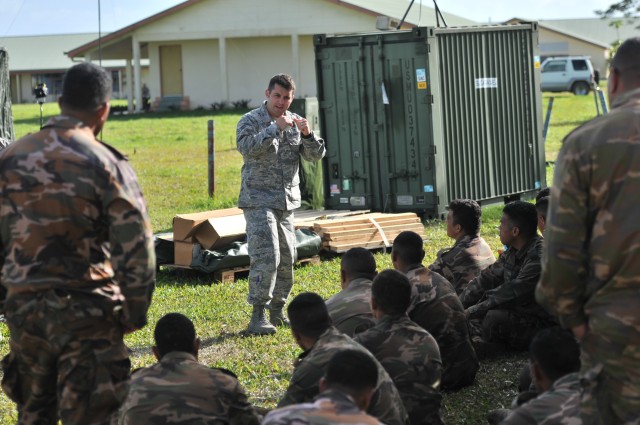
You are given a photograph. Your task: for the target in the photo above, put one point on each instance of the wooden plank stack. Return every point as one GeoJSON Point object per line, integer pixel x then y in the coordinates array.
{"type": "Point", "coordinates": [371, 231]}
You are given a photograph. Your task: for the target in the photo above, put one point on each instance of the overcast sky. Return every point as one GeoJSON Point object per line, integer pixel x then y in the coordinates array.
{"type": "Point", "coordinates": [37, 17]}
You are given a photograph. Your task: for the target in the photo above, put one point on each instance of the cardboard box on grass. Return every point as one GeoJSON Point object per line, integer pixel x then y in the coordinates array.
{"type": "Point", "coordinates": [205, 230]}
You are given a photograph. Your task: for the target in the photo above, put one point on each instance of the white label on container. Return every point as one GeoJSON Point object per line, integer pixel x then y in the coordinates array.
{"type": "Point", "coordinates": [344, 200]}
{"type": "Point", "coordinates": [404, 200]}
{"type": "Point", "coordinates": [357, 201]}
{"type": "Point", "coordinates": [385, 98]}
{"type": "Point", "coordinates": [486, 83]}
{"type": "Point", "coordinates": [421, 75]}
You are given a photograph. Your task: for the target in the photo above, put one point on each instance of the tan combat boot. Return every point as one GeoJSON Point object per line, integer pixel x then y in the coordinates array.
{"type": "Point", "coordinates": [259, 324]}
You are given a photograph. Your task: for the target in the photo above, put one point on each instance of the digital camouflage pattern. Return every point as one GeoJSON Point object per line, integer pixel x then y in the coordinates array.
{"type": "Point", "coordinates": [591, 267]}
{"type": "Point", "coordinates": [76, 240]}
{"type": "Point", "coordinates": [271, 157]}
{"type": "Point", "coordinates": [435, 306]}
{"type": "Point", "coordinates": [560, 405]}
{"type": "Point", "coordinates": [463, 261]}
{"type": "Point", "coordinates": [328, 408]}
{"type": "Point", "coordinates": [179, 390]}
{"type": "Point", "coordinates": [350, 309]}
{"type": "Point", "coordinates": [386, 404]}
{"type": "Point", "coordinates": [271, 244]}
{"type": "Point", "coordinates": [269, 193]}
{"type": "Point", "coordinates": [412, 358]}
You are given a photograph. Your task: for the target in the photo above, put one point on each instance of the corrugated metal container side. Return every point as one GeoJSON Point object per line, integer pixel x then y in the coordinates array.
{"type": "Point", "coordinates": [413, 119]}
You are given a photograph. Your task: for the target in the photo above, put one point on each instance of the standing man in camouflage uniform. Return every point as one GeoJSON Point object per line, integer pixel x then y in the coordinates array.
{"type": "Point", "coordinates": [349, 309]}
{"type": "Point", "coordinates": [178, 389]}
{"type": "Point", "coordinates": [470, 254]}
{"type": "Point", "coordinates": [554, 363]}
{"type": "Point", "coordinates": [77, 261]}
{"type": "Point", "coordinates": [591, 274]}
{"type": "Point", "coordinates": [501, 299]}
{"type": "Point", "coordinates": [435, 306]}
{"type": "Point", "coordinates": [407, 352]}
{"type": "Point", "coordinates": [345, 393]}
{"type": "Point", "coordinates": [271, 140]}
{"type": "Point", "coordinates": [312, 330]}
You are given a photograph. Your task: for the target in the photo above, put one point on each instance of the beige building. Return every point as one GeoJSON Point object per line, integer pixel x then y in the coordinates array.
{"type": "Point", "coordinates": [205, 51]}
{"type": "Point", "coordinates": [42, 59]}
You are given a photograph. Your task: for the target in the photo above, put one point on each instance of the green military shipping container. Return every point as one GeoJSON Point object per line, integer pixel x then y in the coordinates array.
{"type": "Point", "coordinates": [414, 119]}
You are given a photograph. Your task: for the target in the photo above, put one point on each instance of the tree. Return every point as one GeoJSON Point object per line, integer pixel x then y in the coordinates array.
{"type": "Point", "coordinates": [628, 9]}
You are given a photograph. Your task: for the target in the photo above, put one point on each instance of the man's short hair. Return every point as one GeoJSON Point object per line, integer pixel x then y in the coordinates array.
{"type": "Point", "coordinates": [542, 201]}
{"type": "Point", "coordinates": [352, 370]}
{"type": "Point", "coordinates": [359, 262]}
{"type": "Point", "coordinates": [391, 290]}
{"type": "Point", "coordinates": [626, 61]}
{"type": "Point", "coordinates": [86, 87]}
{"type": "Point", "coordinates": [524, 216]}
{"type": "Point", "coordinates": [283, 80]}
{"type": "Point", "coordinates": [556, 351]}
{"type": "Point", "coordinates": [408, 246]}
{"type": "Point", "coordinates": [308, 315]}
{"type": "Point", "coordinates": [468, 214]}
{"type": "Point", "coordinates": [174, 332]}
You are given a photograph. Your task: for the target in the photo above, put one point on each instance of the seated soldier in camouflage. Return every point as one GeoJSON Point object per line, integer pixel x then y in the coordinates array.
{"type": "Point", "coordinates": [500, 301]}
{"type": "Point", "coordinates": [470, 254]}
{"type": "Point", "coordinates": [349, 309]}
{"type": "Point", "coordinates": [345, 393]}
{"type": "Point", "coordinates": [542, 206]}
{"type": "Point", "coordinates": [407, 352]}
{"type": "Point", "coordinates": [178, 389]}
{"type": "Point", "coordinates": [312, 330]}
{"type": "Point", "coordinates": [555, 363]}
{"type": "Point", "coordinates": [435, 306]}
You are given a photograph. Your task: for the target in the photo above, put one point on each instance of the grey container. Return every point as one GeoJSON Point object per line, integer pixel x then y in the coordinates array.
{"type": "Point", "coordinates": [415, 119]}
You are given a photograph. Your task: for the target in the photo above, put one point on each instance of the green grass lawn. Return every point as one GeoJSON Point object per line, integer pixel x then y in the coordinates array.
{"type": "Point", "coordinates": [169, 154]}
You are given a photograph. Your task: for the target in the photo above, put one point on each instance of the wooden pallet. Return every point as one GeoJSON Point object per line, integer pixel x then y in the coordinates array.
{"type": "Point", "coordinates": [229, 275]}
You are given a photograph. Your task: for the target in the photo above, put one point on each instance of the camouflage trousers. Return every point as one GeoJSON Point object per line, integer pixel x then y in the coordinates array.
{"type": "Point", "coordinates": [511, 329]}
{"type": "Point", "coordinates": [610, 380]}
{"type": "Point", "coordinates": [67, 359]}
{"type": "Point", "coordinates": [271, 243]}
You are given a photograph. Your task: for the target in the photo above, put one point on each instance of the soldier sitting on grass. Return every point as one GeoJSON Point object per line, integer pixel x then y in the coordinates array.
{"type": "Point", "coordinates": [500, 301]}
{"type": "Point", "coordinates": [345, 393]}
{"type": "Point", "coordinates": [178, 389]}
{"type": "Point", "coordinates": [542, 206]}
{"type": "Point", "coordinates": [406, 351]}
{"type": "Point", "coordinates": [349, 309]}
{"type": "Point", "coordinates": [470, 254]}
{"type": "Point", "coordinates": [435, 306]}
{"type": "Point", "coordinates": [312, 331]}
{"type": "Point", "coordinates": [555, 363]}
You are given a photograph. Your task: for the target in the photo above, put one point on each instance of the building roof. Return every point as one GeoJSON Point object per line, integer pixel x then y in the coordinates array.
{"type": "Point", "coordinates": [597, 29]}
{"type": "Point", "coordinates": [418, 15]}
{"type": "Point", "coordinates": [43, 53]}
{"type": "Point", "coordinates": [578, 36]}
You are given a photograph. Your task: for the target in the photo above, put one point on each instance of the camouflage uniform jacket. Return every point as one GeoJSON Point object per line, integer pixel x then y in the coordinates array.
{"type": "Point", "coordinates": [386, 404]}
{"type": "Point", "coordinates": [331, 407]}
{"type": "Point", "coordinates": [509, 284]}
{"type": "Point", "coordinates": [271, 161]}
{"type": "Point", "coordinates": [560, 405]}
{"type": "Point", "coordinates": [73, 218]}
{"type": "Point", "coordinates": [350, 309]}
{"type": "Point", "coordinates": [179, 390]}
{"type": "Point", "coordinates": [591, 265]}
{"type": "Point", "coordinates": [435, 306]}
{"type": "Point", "coordinates": [463, 261]}
{"type": "Point", "coordinates": [412, 358]}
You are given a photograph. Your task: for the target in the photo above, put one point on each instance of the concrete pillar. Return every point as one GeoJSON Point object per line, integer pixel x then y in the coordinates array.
{"type": "Point", "coordinates": [295, 57]}
{"type": "Point", "coordinates": [222, 53]}
{"type": "Point", "coordinates": [137, 86]}
{"type": "Point", "coordinates": [129, 74]}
